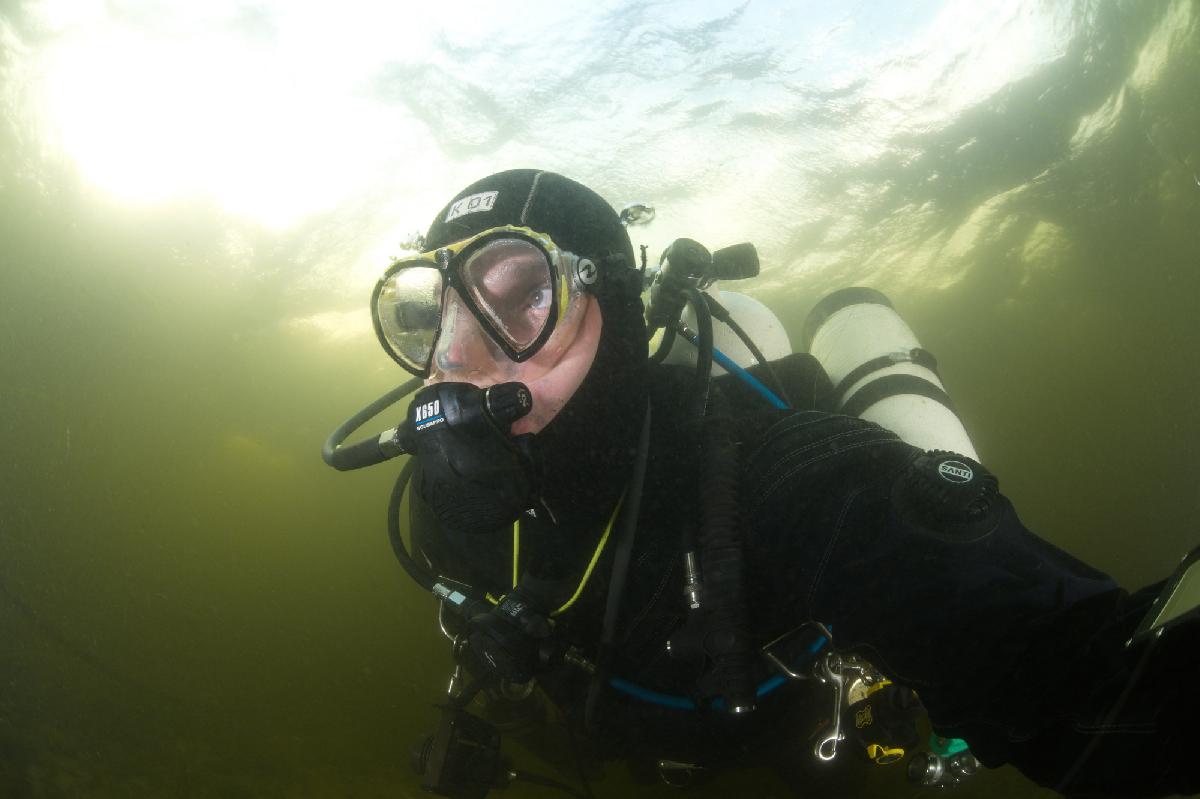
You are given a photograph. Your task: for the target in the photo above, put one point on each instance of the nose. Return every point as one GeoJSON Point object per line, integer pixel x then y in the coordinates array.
{"type": "Point", "coordinates": [461, 350]}
{"type": "Point", "coordinates": [464, 351]}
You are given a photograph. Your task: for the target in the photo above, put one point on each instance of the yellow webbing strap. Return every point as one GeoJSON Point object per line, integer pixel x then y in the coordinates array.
{"type": "Point", "coordinates": [883, 755]}
{"type": "Point", "coordinates": [516, 551]}
{"type": "Point", "coordinates": [860, 691]}
{"type": "Point", "coordinates": [879, 686]}
{"type": "Point", "coordinates": [516, 560]}
{"type": "Point", "coordinates": [587, 573]}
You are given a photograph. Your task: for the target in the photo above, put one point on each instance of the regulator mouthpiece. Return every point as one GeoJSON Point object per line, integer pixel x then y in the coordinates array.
{"type": "Point", "coordinates": [467, 408]}
{"type": "Point", "coordinates": [476, 476]}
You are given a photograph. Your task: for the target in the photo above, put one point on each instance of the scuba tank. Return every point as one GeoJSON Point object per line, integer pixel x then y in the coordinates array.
{"type": "Point", "coordinates": [881, 372]}
{"type": "Point", "coordinates": [875, 361]}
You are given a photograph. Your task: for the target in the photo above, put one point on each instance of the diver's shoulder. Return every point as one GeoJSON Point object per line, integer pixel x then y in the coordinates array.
{"type": "Point", "coordinates": [799, 446]}
{"type": "Point", "coordinates": [784, 431]}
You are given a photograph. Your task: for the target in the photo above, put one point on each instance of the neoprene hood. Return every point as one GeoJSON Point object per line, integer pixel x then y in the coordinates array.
{"type": "Point", "coordinates": [584, 455]}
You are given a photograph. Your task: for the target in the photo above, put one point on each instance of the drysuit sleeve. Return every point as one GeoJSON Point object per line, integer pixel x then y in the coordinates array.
{"type": "Point", "coordinates": [1011, 643]}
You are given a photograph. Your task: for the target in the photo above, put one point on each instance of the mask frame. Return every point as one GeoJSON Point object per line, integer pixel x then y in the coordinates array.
{"type": "Point", "coordinates": [568, 273]}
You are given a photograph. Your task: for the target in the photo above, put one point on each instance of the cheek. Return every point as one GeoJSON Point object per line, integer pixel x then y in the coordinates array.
{"type": "Point", "coordinates": [565, 344]}
{"type": "Point", "coordinates": [555, 386]}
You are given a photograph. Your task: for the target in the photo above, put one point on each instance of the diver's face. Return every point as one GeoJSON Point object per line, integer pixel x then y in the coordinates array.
{"type": "Point", "coordinates": [466, 354]}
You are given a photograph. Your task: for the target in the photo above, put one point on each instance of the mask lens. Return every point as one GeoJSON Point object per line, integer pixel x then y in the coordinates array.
{"type": "Point", "coordinates": [464, 351]}
{"type": "Point", "coordinates": [408, 310]}
{"type": "Point", "coordinates": [511, 283]}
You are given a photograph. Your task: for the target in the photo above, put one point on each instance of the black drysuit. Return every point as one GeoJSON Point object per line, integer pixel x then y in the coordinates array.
{"type": "Point", "coordinates": [1010, 643]}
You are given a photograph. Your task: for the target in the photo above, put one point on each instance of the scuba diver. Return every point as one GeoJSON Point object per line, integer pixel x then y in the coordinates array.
{"type": "Point", "coordinates": [693, 567]}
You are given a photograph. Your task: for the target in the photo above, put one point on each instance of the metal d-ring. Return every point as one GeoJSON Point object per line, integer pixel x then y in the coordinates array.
{"type": "Point", "coordinates": [826, 748]}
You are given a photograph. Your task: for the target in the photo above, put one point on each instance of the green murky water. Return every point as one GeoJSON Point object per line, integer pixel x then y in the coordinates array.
{"type": "Point", "coordinates": [192, 604]}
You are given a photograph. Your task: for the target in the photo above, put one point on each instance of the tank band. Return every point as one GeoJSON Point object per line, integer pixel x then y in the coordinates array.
{"type": "Point", "coordinates": [917, 356]}
{"type": "Point", "coordinates": [842, 298]}
{"type": "Point", "coordinates": [894, 386]}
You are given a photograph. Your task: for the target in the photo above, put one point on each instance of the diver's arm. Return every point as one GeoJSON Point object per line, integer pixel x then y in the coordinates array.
{"type": "Point", "coordinates": [1081, 712]}
{"type": "Point", "coordinates": [1028, 663]}
{"type": "Point", "coordinates": [1011, 643]}
{"type": "Point", "coordinates": [1130, 727]}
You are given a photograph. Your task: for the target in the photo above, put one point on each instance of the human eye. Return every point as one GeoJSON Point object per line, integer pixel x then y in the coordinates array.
{"type": "Point", "coordinates": [539, 298]}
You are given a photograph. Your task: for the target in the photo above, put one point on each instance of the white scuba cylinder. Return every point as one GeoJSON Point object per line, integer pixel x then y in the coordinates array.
{"type": "Point", "coordinates": [757, 320]}
{"type": "Point", "coordinates": [880, 371]}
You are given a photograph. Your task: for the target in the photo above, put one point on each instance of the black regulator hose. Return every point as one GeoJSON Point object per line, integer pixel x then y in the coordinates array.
{"type": "Point", "coordinates": [704, 352]}
{"type": "Point", "coordinates": [421, 576]}
{"type": "Point", "coordinates": [664, 346]}
{"type": "Point", "coordinates": [722, 313]}
{"type": "Point", "coordinates": [620, 572]}
{"type": "Point", "coordinates": [367, 452]}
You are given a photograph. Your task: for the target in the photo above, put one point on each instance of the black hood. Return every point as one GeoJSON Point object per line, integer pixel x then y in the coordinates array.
{"type": "Point", "coordinates": [584, 456]}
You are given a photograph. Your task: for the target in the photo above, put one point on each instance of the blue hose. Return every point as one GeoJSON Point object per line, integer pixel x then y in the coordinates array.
{"type": "Point", "coordinates": [730, 366]}
{"type": "Point", "coordinates": [683, 703]}
{"type": "Point", "coordinates": [653, 697]}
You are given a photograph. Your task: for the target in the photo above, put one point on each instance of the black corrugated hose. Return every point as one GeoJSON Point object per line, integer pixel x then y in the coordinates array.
{"type": "Point", "coordinates": [722, 564]}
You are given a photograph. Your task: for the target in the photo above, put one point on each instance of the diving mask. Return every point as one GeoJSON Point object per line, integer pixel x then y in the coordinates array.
{"type": "Point", "coordinates": [499, 296]}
